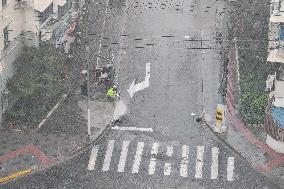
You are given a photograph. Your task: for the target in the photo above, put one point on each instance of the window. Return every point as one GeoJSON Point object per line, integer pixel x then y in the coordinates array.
{"type": "Point", "coordinates": [46, 13]}
{"type": "Point", "coordinates": [63, 9]}
{"type": "Point", "coordinates": [4, 2]}
{"type": "Point", "coordinates": [6, 36]}
{"type": "Point", "coordinates": [281, 33]}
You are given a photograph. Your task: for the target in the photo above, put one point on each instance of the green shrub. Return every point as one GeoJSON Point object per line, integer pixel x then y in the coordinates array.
{"type": "Point", "coordinates": [37, 84]}
{"type": "Point", "coordinates": [252, 106]}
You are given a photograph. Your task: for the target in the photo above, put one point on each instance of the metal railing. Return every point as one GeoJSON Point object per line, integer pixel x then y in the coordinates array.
{"type": "Point", "coordinates": [271, 126]}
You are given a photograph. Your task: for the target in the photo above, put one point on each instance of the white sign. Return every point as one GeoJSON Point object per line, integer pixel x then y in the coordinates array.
{"type": "Point", "coordinates": [133, 88]}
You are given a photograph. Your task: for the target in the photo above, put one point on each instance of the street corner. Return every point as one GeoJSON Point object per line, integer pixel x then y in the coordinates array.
{"type": "Point", "coordinates": [101, 112]}
{"type": "Point", "coordinates": [248, 143]}
{"type": "Point", "coordinates": [263, 158]}
{"type": "Point", "coordinates": [23, 158]}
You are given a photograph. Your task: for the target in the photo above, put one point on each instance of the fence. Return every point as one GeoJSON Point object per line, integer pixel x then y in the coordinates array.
{"type": "Point", "coordinates": [271, 126]}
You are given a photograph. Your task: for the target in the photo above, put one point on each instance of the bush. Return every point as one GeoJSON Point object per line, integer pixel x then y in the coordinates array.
{"type": "Point", "coordinates": [253, 112]}
{"type": "Point", "coordinates": [250, 24]}
{"type": "Point", "coordinates": [37, 85]}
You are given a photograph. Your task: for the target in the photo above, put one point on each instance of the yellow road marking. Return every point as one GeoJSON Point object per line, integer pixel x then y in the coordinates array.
{"type": "Point", "coordinates": [13, 176]}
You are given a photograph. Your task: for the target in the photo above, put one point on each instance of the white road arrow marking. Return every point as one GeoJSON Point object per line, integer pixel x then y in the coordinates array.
{"type": "Point", "coordinates": [133, 88]}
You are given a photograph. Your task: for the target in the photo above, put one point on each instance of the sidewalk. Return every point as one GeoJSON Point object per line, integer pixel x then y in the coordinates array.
{"type": "Point", "coordinates": [65, 130]}
{"type": "Point", "coordinates": [249, 145]}
{"type": "Point", "coordinates": [101, 115]}
{"type": "Point", "coordinates": [59, 137]}
{"type": "Point", "coordinates": [253, 149]}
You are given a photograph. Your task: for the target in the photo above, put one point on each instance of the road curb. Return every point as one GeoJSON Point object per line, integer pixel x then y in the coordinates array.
{"type": "Point", "coordinates": [96, 139]}
{"type": "Point", "coordinates": [226, 143]}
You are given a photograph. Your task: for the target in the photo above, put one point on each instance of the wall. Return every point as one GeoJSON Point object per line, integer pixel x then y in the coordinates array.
{"type": "Point", "coordinates": [278, 146]}
{"type": "Point", "coordinates": [11, 16]}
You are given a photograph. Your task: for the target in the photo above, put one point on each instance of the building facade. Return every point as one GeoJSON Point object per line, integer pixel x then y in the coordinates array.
{"type": "Point", "coordinates": [27, 23]}
{"type": "Point", "coordinates": [274, 113]}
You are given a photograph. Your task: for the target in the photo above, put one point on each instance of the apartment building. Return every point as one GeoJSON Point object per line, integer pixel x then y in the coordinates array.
{"type": "Point", "coordinates": [276, 36]}
{"type": "Point", "coordinates": [274, 113]}
{"type": "Point", "coordinates": [27, 23]}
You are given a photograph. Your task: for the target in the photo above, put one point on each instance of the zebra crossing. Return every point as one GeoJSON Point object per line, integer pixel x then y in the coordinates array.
{"type": "Point", "coordinates": [152, 160]}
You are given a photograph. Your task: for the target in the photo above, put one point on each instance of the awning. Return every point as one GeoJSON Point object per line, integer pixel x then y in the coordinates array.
{"type": "Point", "coordinates": [60, 2]}
{"type": "Point", "coordinates": [277, 18]}
{"type": "Point", "coordinates": [41, 5]}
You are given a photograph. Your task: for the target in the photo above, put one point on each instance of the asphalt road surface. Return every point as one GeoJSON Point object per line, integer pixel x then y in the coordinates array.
{"type": "Point", "coordinates": [157, 144]}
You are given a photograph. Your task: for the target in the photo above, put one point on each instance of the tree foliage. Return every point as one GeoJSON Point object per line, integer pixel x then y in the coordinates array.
{"type": "Point", "coordinates": [37, 84]}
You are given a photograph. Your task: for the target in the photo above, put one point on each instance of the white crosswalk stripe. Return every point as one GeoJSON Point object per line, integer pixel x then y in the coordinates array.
{"type": "Point", "coordinates": [214, 165]}
{"type": "Point", "coordinates": [152, 164]}
{"type": "Point", "coordinates": [93, 157]}
{"type": "Point", "coordinates": [230, 168]}
{"type": "Point", "coordinates": [123, 156]}
{"type": "Point", "coordinates": [167, 169]}
{"type": "Point", "coordinates": [138, 157]}
{"type": "Point", "coordinates": [108, 155]}
{"type": "Point", "coordinates": [183, 160]}
{"type": "Point", "coordinates": [199, 162]}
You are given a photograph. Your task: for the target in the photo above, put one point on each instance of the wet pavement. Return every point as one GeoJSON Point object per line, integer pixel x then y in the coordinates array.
{"type": "Point", "coordinates": [158, 145]}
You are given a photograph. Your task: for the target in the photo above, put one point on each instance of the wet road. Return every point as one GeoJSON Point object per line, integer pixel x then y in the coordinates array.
{"type": "Point", "coordinates": [172, 150]}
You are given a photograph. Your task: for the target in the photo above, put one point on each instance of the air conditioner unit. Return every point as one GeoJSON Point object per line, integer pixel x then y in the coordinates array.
{"type": "Point", "coordinates": [274, 45]}
{"type": "Point", "coordinates": [276, 8]}
{"type": "Point", "coordinates": [281, 44]}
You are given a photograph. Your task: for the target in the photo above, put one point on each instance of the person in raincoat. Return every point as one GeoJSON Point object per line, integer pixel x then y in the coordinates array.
{"type": "Point", "coordinates": [111, 93]}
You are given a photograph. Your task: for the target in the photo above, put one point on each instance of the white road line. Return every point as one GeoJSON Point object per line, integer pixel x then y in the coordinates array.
{"type": "Point", "coordinates": [167, 169]}
{"type": "Point", "coordinates": [103, 28]}
{"type": "Point", "coordinates": [108, 155]}
{"type": "Point", "coordinates": [138, 156]}
{"type": "Point", "coordinates": [184, 161]}
{"type": "Point", "coordinates": [123, 156]}
{"type": "Point", "coordinates": [199, 162]}
{"type": "Point", "coordinates": [230, 169]}
{"type": "Point", "coordinates": [132, 129]}
{"type": "Point", "coordinates": [93, 157]}
{"type": "Point", "coordinates": [152, 164]}
{"type": "Point", "coordinates": [214, 165]}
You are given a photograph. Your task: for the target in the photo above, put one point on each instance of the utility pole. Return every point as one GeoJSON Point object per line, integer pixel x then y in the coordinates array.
{"type": "Point", "coordinates": [88, 90]}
